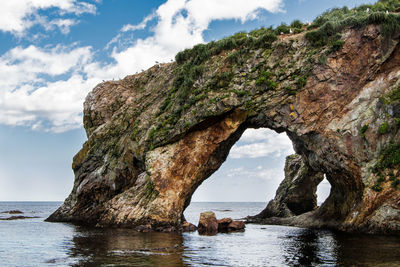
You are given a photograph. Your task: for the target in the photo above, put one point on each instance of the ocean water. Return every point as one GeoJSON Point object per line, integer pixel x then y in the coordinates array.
{"type": "Point", "coordinates": [33, 242]}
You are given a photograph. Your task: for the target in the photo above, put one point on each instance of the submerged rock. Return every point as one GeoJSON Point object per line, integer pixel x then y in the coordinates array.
{"type": "Point", "coordinates": [18, 218]}
{"type": "Point", "coordinates": [208, 224]}
{"type": "Point", "coordinates": [13, 212]}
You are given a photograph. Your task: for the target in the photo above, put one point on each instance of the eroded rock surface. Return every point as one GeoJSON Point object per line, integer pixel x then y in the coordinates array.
{"type": "Point", "coordinates": [188, 227]}
{"type": "Point", "coordinates": [236, 226]}
{"type": "Point", "coordinates": [208, 224]}
{"type": "Point", "coordinates": [154, 137]}
{"type": "Point", "coordinates": [223, 224]}
{"type": "Point", "coordinates": [297, 192]}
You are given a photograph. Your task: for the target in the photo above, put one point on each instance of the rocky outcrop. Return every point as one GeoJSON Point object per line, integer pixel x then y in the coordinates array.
{"type": "Point", "coordinates": [236, 226]}
{"type": "Point", "coordinates": [208, 224]}
{"type": "Point", "coordinates": [188, 227]}
{"type": "Point", "coordinates": [223, 224]}
{"type": "Point", "coordinates": [297, 192]}
{"type": "Point", "coordinates": [154, 137]}
{"type": "Point", "coordinates": [228, 225]}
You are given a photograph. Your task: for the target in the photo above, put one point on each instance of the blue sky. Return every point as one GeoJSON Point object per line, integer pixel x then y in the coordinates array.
{"type": "Point", "coordinates": [53, 52]}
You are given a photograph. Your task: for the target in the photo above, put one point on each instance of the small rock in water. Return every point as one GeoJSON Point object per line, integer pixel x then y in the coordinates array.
{"type": "Point", "coordinates": [236, 226]}
{"type": "Point", "coordinates": [223, 224]}
{"type": "Point", "coordinates": [188, 227]}
{"type": "Point", "coordinates": [18, 218]}
{"type": "Point", "coordinates": [208, 224]}
{"type": "Point", "coordinates": [13, 212]}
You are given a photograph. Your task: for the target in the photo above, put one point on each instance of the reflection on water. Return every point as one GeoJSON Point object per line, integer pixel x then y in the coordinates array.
{"type": "Point", "coordinates": [309, 248]}
{"type": "Point", "coordinates": [33, 242]}
{"type": "Point", "coordinates": [94, 247]}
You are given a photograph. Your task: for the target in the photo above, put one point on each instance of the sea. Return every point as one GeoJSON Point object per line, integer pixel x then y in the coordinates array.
{"type": "Point", "coordinates": [34, 242]}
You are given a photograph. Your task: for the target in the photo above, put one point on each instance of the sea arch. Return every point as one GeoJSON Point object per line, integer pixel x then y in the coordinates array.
{"type": "Point", "coordinates": [155, 136]}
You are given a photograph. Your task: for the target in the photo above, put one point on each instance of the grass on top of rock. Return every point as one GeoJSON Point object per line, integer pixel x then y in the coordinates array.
{"type": "Point", "coordinates": [238, 48]}
{"type": "Point", "coordinates": [335, 20]}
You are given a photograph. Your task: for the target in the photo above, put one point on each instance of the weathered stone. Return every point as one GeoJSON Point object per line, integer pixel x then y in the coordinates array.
{"type": "Point", "coordinates": [151, 143]}
{"type": "Point", "coordinates": [208, 224]}
{"type": "Point", "coordinates": [188, 227]}
{"type": "Point", "coordinates": [236, 226]}
{"type": "Point", "coordinates": [223, 224]}
{"type": "Point", "coordinates": [297, 192]}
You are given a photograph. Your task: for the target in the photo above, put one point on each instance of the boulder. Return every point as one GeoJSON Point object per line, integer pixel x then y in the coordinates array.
{"type": "Point", "coordinates": [208, 224]}
{"type": "Point", "coordinates": [188, 227]}
{"type": "Point", "coordinates": [236, 226]}
{"type": "Point", "coordinates": [223, 224]}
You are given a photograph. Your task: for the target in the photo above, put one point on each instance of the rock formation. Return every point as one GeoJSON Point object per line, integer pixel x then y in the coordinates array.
{"type": "Point", "coordinates": [188, 227]}
{"type": "Point", "coordinates": [297, 192]}
{"type": "Point", "coordinates": [208, 224]}
{"type": "Point", "coordinates": [223, 224]}
{"type": "Point", "coordinates": [154, 137]}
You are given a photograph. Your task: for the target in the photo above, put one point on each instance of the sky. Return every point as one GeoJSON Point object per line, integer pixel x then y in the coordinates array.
{"type": "Point", "coordinates": [53, 52]}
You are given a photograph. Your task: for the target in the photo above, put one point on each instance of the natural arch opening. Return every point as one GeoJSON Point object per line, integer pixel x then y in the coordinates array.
{"type": "Point", "coordinates": [323, 191]}
{"type": "Point", "coordinates": [254, 170]}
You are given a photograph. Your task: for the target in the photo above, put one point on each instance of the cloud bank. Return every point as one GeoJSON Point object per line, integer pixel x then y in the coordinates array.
{"type": "Point", "coordinates": [17, 16]}
{"type": "Point", "coordinates": [256, 143]}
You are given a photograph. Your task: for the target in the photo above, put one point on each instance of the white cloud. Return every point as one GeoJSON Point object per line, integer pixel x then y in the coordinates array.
{"type": "Point", "coordinates": [260, 173]}
{"type": "Point", "coordinates": [64, 24]}
{"type": "Point", "coordinates": [179, 24]}
{"type": "Point", "coordinates": [45, 87]}
{"type": "Point", "coordinates": [140, 26]}
{"type": "Point", "coordinates": [16, 16]}
{"type": "Point", "coordinates": [256, 143]}
{"type": "Point", "coordinates": [27, 94]}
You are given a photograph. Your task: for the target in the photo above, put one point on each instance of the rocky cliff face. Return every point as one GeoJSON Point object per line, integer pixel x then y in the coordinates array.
{"type": "Point", "coordinates": [297, 192]}
{"type": "Point", "coordinates": [154, 137]}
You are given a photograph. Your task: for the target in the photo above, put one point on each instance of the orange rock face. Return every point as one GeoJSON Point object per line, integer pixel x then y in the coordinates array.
{"type": "Point", "coordinates": [150, 145]}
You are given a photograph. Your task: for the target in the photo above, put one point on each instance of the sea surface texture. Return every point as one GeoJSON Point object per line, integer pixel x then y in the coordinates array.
{"type": "Point", "coordinates": [33, 242]}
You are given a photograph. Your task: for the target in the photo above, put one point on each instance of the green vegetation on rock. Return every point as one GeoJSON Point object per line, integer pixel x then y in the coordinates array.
{"type": "Point", "coordinates": [363, 130]}
{"type": "Point", "coordinates": [335, 20]}
{"type": "Point", "coordinates": [383, 128]}
{"type": "Point", "coordinates": [205, 75]}
{"type": "Point", "coordinates": [389, 159]}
